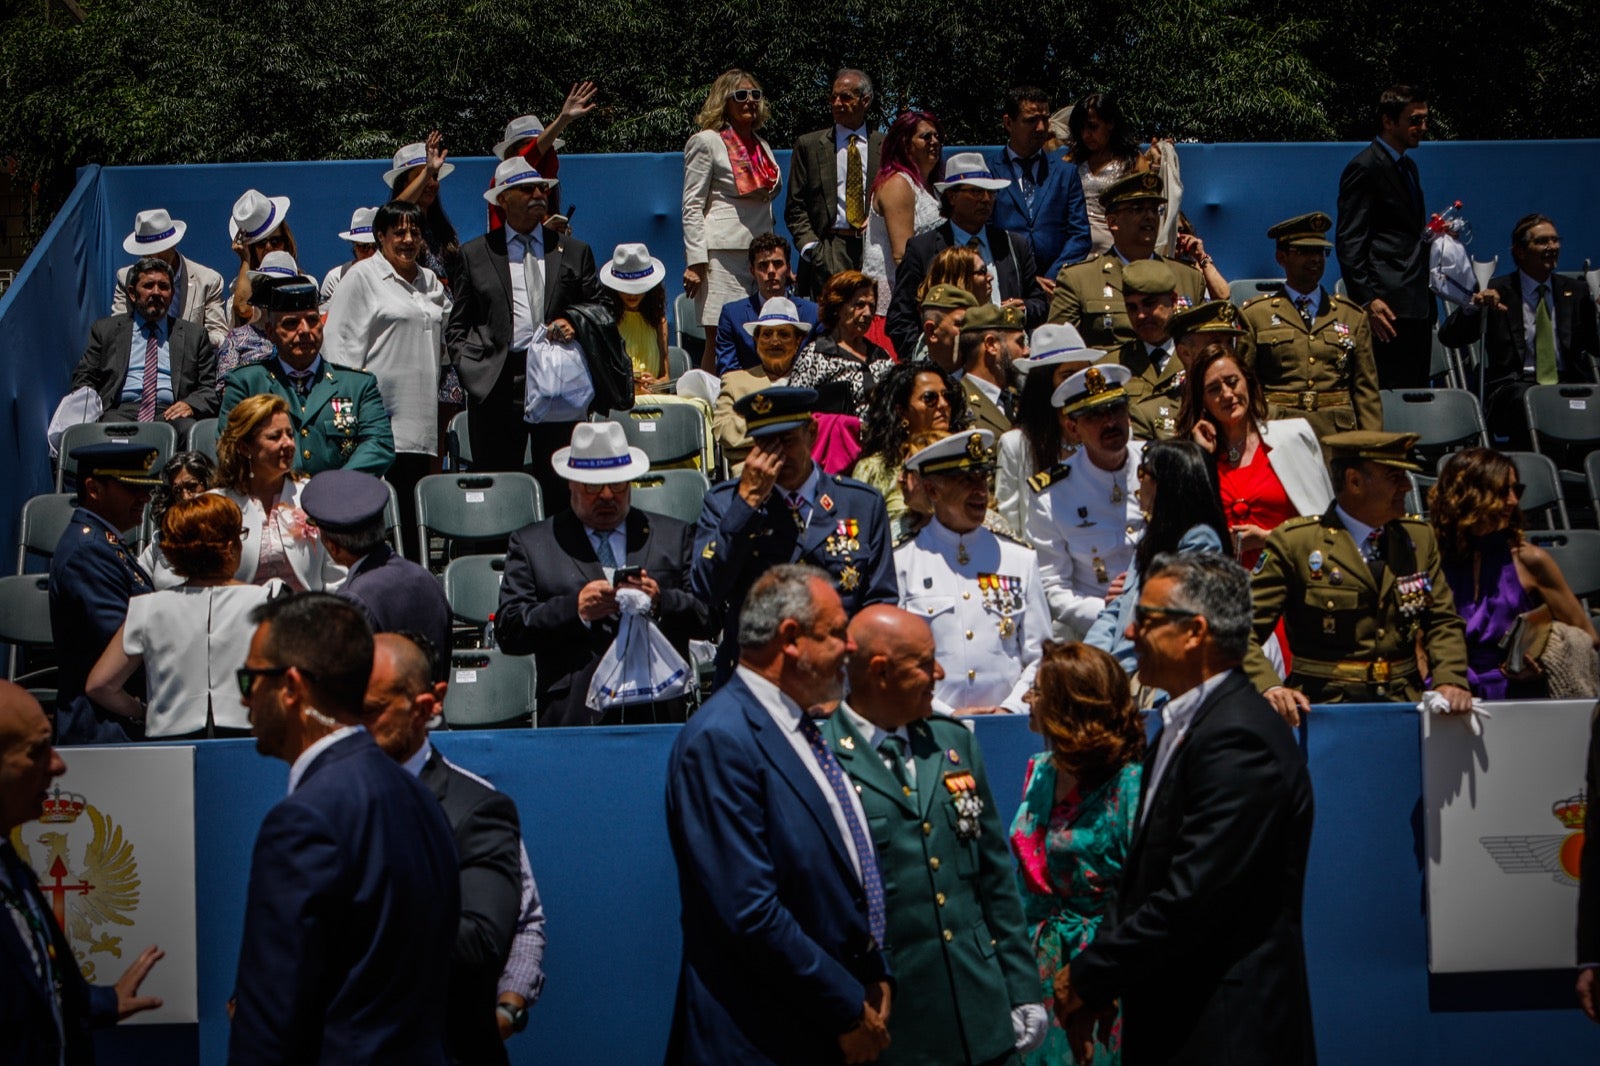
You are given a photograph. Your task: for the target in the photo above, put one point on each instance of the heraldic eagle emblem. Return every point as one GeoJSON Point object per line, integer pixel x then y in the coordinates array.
{"type": "Point", "coordinates": [1557, 854]}
{"type": "Point", "coordinates": [100, 889]}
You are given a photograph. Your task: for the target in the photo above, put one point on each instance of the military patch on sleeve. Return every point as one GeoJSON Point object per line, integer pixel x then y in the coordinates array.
{"type": "Point", "coordinates": [1261, 563]}
{"type": "Point", "coordinates": [710, 550]}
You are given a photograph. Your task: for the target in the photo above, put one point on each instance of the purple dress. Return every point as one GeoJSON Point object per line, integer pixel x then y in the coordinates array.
{"type": "Point", "coordinates": [1490, 614]}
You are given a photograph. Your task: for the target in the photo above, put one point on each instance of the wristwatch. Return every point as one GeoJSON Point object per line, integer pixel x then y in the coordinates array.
{"type": "Point", "coordinates": [517, 1016]}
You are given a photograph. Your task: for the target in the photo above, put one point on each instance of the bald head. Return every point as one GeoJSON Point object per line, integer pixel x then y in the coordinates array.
{"type": "Point", "coordinates": [893, 670]}
{"type": "Point", "coordinates": [28, 761]}
{"type": "Point", "coordinates": [402, 697]}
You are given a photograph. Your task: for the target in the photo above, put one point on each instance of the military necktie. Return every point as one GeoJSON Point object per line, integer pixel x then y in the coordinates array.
{"type": "Point", "coordinates": [1372, 552]}
{"type": "Point", "coordinates": [1544, 341]}
{"type": "Point", "coordinates": [893, 750]}
{"type": "Point", "coordinates": [1303, 303]}
{"type": "Point", "coordinates": [871, 882]}
{"type": "Point", "coordinates": [302, 382]}
{"type": "Point", "coordinates": [797, 509]}
{"type": "Point", "coordinates": [855, 185]}
{"type": "Point", "coordinates": [152, 374]}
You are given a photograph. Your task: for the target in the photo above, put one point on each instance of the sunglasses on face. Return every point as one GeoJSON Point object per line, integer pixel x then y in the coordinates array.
{"type": "Point", "coordinates": [931, 399]}
{"type": "Point", "coordinates": [246, 676]}
{"type": "Point", "coordinates": [1147, 616]}
{"type": "Point", "coordinates": [745, 96]}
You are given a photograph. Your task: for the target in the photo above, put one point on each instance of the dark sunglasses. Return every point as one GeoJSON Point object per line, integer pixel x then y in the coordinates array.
{"type": "Point", "coordinates": [247, 675]}
{"type": "Point", "coordinates": [1519, 488]}
{"type": "Point", "coordinates": [1145, 616]}
{"type": "Point", "coordinates": [745, 96]}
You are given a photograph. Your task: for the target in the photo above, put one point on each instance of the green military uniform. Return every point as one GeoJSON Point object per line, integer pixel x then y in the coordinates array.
{"type": "Point", "coordinates": [1352, 636]}
{"type": "Point", "coordinates": [1315, 364]}
{"type": "Point", "coordinates": [1154, 396]}
{"type": "Point", "coordinates": [987, 414]}
{"type": "Point", "coordinates": [1089, 296]}
{"type": "Point", "coordinates": [956, 938]}
{"type": "Point", "coordinates": [339, 424]}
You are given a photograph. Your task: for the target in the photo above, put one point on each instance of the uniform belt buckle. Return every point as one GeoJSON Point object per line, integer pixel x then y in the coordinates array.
{"type": "Point", "coordinates": [1379, 672]}
{"type": "Point", "coordinates": [1308, 400]}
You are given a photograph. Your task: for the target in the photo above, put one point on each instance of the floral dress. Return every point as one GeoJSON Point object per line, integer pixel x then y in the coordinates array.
{"type": "Point", "coordinates": [1069, 860]}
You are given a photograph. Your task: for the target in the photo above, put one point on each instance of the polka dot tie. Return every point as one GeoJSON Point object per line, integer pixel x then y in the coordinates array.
{"type": "Point", "coordinates": [870, 881]}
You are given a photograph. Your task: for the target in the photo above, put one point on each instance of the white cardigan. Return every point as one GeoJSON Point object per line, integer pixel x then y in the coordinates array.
{"type": "Point", "coordinates": [714, 214]}
{"type": "Point", "coordinates": [1296, 457]}
{"type": "Point", "coordinates": [306, 555]}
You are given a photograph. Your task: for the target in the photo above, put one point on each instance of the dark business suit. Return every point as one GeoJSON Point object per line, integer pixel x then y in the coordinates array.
{"type": "Point", "coordinates": [1589, 863]}
{"type": "Point", "coordinates": [1210, 898]}
{"type": "Point", "coordinates": [349, 920]}
{"type": "Point", "coordinates": [488, 840]}
{"type": "Point", "coordinates": [1507, 348]}
{"type": "Point", "coordinates": [340, 424]}
{"type": "Point", "coordinates": [478, 338]}
{"type": "Point", "coordinates": [547, 564]}
{"type": "Point", "coordinates": [1382, 256]}
{"type": "Point", "coordinates": [398, 594]}
{"type": "Point", "coordinates": [777, 949]}
{"type": "Point", "coordinates": [104, 368]}
{"type": "Point", "coordinates": [26, 1018]}
{"type": "Point", "coordinates": [1016, 273]}
{"type": "Point", "coordinates": [811, 205]}
{"type": "Point", "coordinates": [1057, 223]}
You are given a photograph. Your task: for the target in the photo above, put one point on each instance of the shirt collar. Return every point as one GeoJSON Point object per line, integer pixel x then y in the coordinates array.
{"type": "Point", "coordinates": [1359, 530]}
{"type": "Point", "coordinates": [414, 765]}
{"type": "Point", "coordinates": [988, 388]}
{"type": "Point", "coordinates": [871, 732]}
{"type": "Point", "coordinates": [773, 698]}
{"type": "Point", "coordinates": [298, 768]}
{"type": "Point", "coordinates": [1179, 711]}
{"type": "Point", "coordinates": [1530, 288]}
{"type": "Point", "coordinates": [311, 371]}
{"type": "Point", "coordinates": [1387, 147]}
{"type": "Point", "coordinates": [808, 489]}
{"type": "Point", "coordinates": [1295, 296]}
{"type": "Point", "coordinates": [159, 326]}
{"type": "Point", "coordinates": [1011, 154]}
{"type": "Point", "coordinates": [961, 237]}
{"type": "Point", "coordinates": [841, 136]}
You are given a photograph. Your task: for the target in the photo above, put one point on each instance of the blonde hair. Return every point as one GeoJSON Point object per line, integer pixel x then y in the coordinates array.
{"type": "Point", "coordinates": [957, 265]}
{"type": "Point", "coordinates": [246, 419]}
{"type": "Point", "coordinates": [714, 112]}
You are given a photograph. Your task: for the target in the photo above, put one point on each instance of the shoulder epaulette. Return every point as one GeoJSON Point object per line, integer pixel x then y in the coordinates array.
{"type": "Point", "coordinates": [907, 537]}
{"type": "Point", "coordinates": [1045, 478]}
{"type": "Point", "coordinates": [1258, 299]}
{"type": "Point", "coordinates": [1301, 520]}
{"type": "Point", "coordinates": [1012, 537]}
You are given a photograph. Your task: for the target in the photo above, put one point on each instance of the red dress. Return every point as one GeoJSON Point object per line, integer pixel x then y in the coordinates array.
{"type": "Point", "coordinates": [1253, 495]}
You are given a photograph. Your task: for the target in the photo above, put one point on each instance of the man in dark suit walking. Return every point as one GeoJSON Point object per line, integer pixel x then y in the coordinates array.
{"type": "Point", "coordinates": [1210, 898]}
{"type": "Point", "coordinates": [558, 601]}
{"type": "Point", "coordinates": [783, 908]}
{"type": "Point", "coordinates": [1045, 198]}
{"type": "Point", "coordinates": [1589, 888]}
{"type": "Point", "coordinates": [1538, 328]}
{"type": "Point", "coordinates": [1382, 255]}
{"type": "Point", "coordinates": [147, 363]}
{"type": "Point", "coordinates": [48, 1007]}
{"type": "Point", "coordinates": [402, 699]}
{"type": "Point", "coordinates": [514, 280]}
{"type": "Point", "coordinates": [967, 199]}
{"type": "Point", "coordinates": [830, 182]}
{"type": "Point", "coordinates": [353, 900]}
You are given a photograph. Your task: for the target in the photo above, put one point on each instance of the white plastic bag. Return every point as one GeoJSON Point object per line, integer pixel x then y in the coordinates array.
{"type": "Point", "coordinates": [559, 388]}
{"type": "Point", "coordinates": [641, 666]}
{"type": "Point", "coordinates": [80, 406]}
{"type": "Point", "coordinates": [1450, 273]}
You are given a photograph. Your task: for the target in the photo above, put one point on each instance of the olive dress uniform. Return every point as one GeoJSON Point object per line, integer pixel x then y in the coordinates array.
{"type": "Point", "coordinates": [956, 938]}
{"type": "Point", "coordinates": [1353, 635]}
{"type": "Point", "coordinates": [1154, 395]}
{"type": "Point", "coordinates": [339, 424]}
{"type": "Point", "coordinates": [1322, 371]}
{"type": "Point", "coordinates": [1089, 296]}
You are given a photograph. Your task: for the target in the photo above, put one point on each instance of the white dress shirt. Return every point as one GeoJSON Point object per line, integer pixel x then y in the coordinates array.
{"type": "Point", "coordinates": [841, 160]}
{"type": "Point", "coordinates": [786, 713]}
{"type": "Point", "coordinates": [523, 321]}
{"type": "Point", "coordinates": [1176, 718]}
{"type": "Point", "coordinates": [298, 768]}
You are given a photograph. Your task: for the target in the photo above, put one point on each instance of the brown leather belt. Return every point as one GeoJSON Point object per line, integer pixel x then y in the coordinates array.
{"type": "Point", "coordinates": [1311, 399]}
{"type": "Point", "coordinates": [1359, 671]}
{"type": "Point", "coordinates": [846, 231]}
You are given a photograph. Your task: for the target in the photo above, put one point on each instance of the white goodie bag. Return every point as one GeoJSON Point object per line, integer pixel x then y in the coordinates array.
{"type": "Point", "coordinates": [559, 388]}
{"type": "Point", "coordinates": [641, 666]}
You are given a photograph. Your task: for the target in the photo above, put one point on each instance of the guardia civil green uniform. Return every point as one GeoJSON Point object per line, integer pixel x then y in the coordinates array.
{"type": "Point", "coordinates": [956, 938]}
{"type": "Point", "coordinates": [1352, 636]}
{"type": "Point", "coordinates": [1321, 370]}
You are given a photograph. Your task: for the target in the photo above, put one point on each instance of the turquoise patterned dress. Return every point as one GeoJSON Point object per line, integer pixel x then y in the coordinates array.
{"type": "Point", "coordinates": [1069, 859]}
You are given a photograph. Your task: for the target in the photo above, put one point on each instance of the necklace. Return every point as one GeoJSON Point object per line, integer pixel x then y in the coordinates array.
{"type": "Point", "coordinates": [1236, 451]}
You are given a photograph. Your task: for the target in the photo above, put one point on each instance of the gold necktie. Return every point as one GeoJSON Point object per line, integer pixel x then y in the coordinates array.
{"type": "Point", "coordinates": [1544, 341]}
{"type": "Point", "coordinates": [855, 185]}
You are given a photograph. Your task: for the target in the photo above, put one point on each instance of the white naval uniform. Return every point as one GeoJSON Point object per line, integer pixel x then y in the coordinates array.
{"type": "Point", "coordinates": [1083, 537]}
{"type": "Point", "coordinates": [988, 639]}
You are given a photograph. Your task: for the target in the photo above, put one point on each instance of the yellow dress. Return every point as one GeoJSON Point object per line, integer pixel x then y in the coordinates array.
{"type": "Point", "coordinates": [642, 342]}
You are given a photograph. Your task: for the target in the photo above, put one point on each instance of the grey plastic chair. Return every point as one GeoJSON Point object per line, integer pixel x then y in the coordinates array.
{"type": "Point", "coordinates": [677, 494]}
{"type": "Point", "coordinates": [1591, 469]}
{"type": "Point", "coordinates": [458, 445]}
{"type": "Point", "coordinates": [391, 517]}
{"type": "Point", "coordinates": [477, 507]}
{"type": "Point", "coordinates": [671, 434]}
{"type": "Point", "coordinates": [44, 519]}
{"type": "Point", "coordinates": [1541, 495]}
{"type": "Point", "coordinates": [687, 322]}
{"type": "Point", "coordinates": [489, 689]}
{"type": "Point", "coordinates": [678, 363]}
{"type": "Point", "coordinates": [24, 616]}
{"type": "Point", "coordinates": [472, 585]}
{"type": "Point", "coordinates": [1564, 422]}
{"type": "Point", "coordinates": [1577, 553]}
{"type": "Point", "coordinates": [159, 435]}
{"type": "Point", "coordinates": [1242, 289]}
{"type": "Point", "coordinates": [1417, 498]}
{"type": "Point", "coordinates": [1445, 420]}
{"type": "Point", "coordinates": [203, 437]}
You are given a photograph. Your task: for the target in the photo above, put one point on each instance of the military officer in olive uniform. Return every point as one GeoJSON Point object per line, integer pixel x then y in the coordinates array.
{"type": "Point", "coordinates": [1089, 294]}
{"type": "Point", "coordinates": [1311, 349]}
{"type": "Point", "coordinates": [1195, 328]}
{"type": "Point", "coordinates": [1354, 587]}
{"type": "Point", "coordinates": [967, 981]}
{"type": "Point", "coordinates": [992, 339]}
{"type": "Point", "coordinates": [1155, 391]}
{"type": "Point", "coordinates": [1084, 518]}
{"type": "Point", "coordinates": [337, 412]}
{"type": "Point", "coordinates": [784, 508]}
{"type": "Point", "coordinates": [978, 590]}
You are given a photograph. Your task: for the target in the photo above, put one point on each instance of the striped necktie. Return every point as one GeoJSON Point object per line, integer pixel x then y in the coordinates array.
{"type": "Point", "coordinates": [871, 883]}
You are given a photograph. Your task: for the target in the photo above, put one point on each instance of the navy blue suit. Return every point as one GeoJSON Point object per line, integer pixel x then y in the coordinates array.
{"type": "Point", "coordinates": [736, 349]}
{"type": "Point", "coordinates": [1057, 225]}
{"type": "Point", "coordinates": [734, 545]}
{"type": "Point", "coordinates": [349, 921]}
{"type": "Point", "coordinates": [398, 594]}
{"type": "Point", "coordinates": [26, 1019]}
{"type": "Point", "coordinates": [777, 951]}
{"type": "Point", "coordinates": [93, 575]}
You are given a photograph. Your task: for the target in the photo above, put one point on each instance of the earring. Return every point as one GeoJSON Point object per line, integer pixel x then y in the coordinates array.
{"type": "Point", "coordinates": [905, 425]}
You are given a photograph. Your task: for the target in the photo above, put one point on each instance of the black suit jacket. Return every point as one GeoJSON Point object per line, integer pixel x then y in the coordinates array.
{"type": "Point", "coordinates": [104, 366]}
{"type": "Point", "coordinates": [547, 563]}
{"type": "Point", "coordinates": [478, 332]}
{"type": "Point", "coordinates": [1589, 864]}
{"type": "Point", "coordinates": [489, 849]}
{"type": "Point", "coordinates": [812, 200]}
{"type": "Point", "coordinates": [1379, 236]}
{"type": "Point", "coordinates": [1210, 898]}
{"type": "Point", "coordinates": [398, 594]}
{"type": "Point", "coordinates": [1505, 341]}
{"type": "Point", "coordinates": [1016, 274]}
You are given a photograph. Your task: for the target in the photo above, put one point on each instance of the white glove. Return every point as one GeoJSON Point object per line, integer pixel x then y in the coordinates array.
{"type": "Point", "coordinates": [1031, 1024]}
{"type": "Point", "coordinates": [1434, 703]}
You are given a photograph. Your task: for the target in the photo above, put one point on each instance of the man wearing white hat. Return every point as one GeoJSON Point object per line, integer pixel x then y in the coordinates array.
{"type": "Point", "coordinates": [258, 225]}
{"type": "Point", "coordinates": [979, 591]}
{"type": "Point", "coordinates": [558, 601]}
{"type": "Point", "coordinates": [530, 138]}
{"type": "Point", "coordinates": [197, 289]}
{"type": "Point", "coordinates": [967, 197]}
{"type": "Point", "coordinates": [515, 282]}
{"type": "Point", "coordinates": [1084, 516]}
{"type": "Point", "coordinates": [363, 245]}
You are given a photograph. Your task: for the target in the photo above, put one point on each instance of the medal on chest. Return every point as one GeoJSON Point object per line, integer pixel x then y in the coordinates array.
{"type": "Point", "coordinates": [963, 789]}
{"type": "Point", "coordinates": [1003, 594]}
{"type": "Point", "coordinates": [344, 415]}
{"type": "Point", "coordinates": [1099, 565]}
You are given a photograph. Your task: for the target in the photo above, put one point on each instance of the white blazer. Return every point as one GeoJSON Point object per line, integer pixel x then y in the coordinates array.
{"type": "Point", "coordinates": [306, 555]}
{"type": "Point", "coordinates": [714, 214]}
{"type": "Point", "coordinates": [200, 302]}
{"type": "Point", "coordinates": [1296, 457]}
{"type": "Point", "coordinates": [1013, 467]}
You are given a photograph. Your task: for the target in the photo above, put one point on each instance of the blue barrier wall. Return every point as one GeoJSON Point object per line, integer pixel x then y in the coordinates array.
{"type": "Point", "coordinates": [1233, 192]}
{"type": "Point", "coordinates": [591, 815]}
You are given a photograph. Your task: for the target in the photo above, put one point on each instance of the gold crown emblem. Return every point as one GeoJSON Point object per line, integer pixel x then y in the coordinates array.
{"type": "Point", "coordinates": [975, 448]}
{"type": "Point", "coordinates": [62, 807]}
{"type": "Point", "coordinates": [1094, 381]}
{"type": "Point", "coordinates": [760, 404]}
{"type": "Point", "coordinates": [1571, 811]}
{"type": "Point", "coordinates": [1227, 313]}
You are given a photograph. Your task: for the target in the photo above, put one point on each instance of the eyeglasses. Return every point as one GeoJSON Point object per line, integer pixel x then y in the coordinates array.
{"type": "Point", "coordinates": [933, 399]}
{"type": "Point", "coordinates": [846, 96]}
{"type": "Point", "coordinates": [247, 675]}
{"type": "Point", "coordinates": [1417, 120]}
{"type": "Point", "coordinates": [745, 96]}
{"type": "Point", "coordinates": [1147, 616]}
{"type": "Point", "coordinates": [617, 488]}
{"type": "Point", "coordinates": [1519, 489]}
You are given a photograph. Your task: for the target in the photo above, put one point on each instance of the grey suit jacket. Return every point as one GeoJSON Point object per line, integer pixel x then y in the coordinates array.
{"type": "Point", "coordinates": [812, 201]}
{"type": "Point", "coordinates": [104, 366]}
{"type": "Point", "coordinates": [200, 301]}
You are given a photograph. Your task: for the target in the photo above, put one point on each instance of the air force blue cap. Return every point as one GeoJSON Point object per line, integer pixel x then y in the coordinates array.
{"type": "Point", "coordinates": [776, 410]}
{"type": "Point", "coordinates": [344, 501]}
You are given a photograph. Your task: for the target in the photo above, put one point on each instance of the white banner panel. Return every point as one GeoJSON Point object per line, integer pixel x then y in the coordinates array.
{"type": "Point", "coordinates": [1504, 828]}
{"type": "Point", "coordinates": [115, 857]}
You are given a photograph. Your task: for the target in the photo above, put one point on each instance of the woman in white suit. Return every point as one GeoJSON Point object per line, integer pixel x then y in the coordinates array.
{"type": "Point", "coordinates": [730, 178]}
{"type": "Point", "coordinates": [255, 469]}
